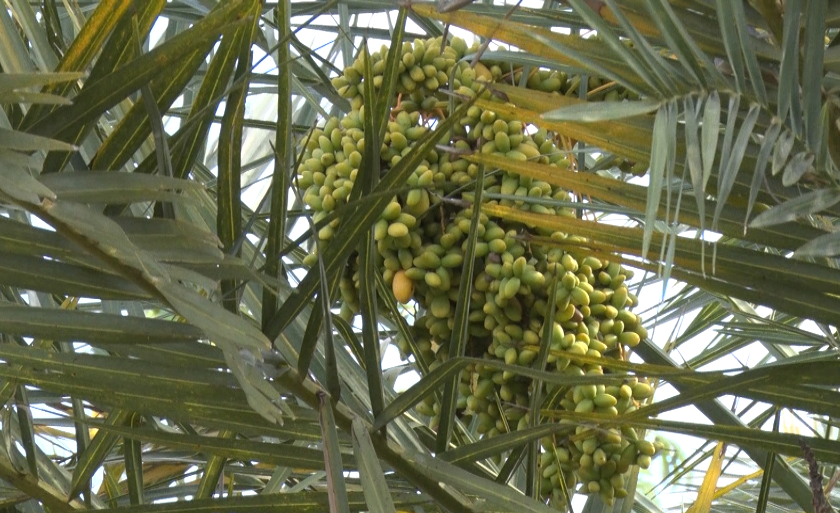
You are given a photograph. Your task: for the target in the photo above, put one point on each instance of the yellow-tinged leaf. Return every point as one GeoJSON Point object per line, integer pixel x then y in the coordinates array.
{"type": "Point", "coordinates": [607, 189]}
{"type": "Point", "coordinates": [93, 35]}
{"type": "Point", "coordinates": [723, 490]}
{"type": "Point", "coordinates": [538, 41]}
{"type": "Point", "coordinates": [616, 137]}
{"type": "Point", "coordinates": [511, 32]}
{"type": "Point", "coordinates": [636, 130]}
{"type": "Point", "coordinates": [87, 43]}
{"type": "Point", "coordinates": [633, 196]}
{"type": "Point", "coordinates": [708, 41]}
{"type": "Point", "coordinates": [707, 490]}
{"type": "Point", "coordinates": [588, 229]}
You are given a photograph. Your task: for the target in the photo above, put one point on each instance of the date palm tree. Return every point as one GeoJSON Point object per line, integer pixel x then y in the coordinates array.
{"type": "Point", "coordinates": [173, 334]}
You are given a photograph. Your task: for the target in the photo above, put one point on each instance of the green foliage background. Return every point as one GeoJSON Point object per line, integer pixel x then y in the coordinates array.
{"type": "Point", "coordinates": [125, 249]}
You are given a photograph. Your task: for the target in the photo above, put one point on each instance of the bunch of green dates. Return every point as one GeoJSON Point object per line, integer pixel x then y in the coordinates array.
{"type": "Point", "coordinates": [598, 458]}
{"type": "Point", "coordinates": [421, 240]}
{"type": "Point", "coordinates": [508, 312]}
